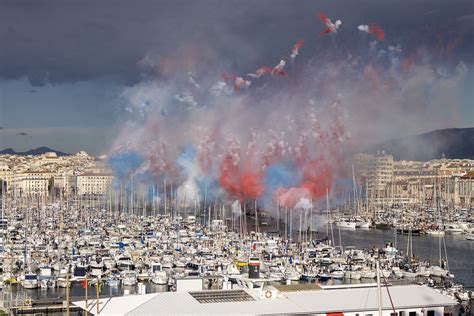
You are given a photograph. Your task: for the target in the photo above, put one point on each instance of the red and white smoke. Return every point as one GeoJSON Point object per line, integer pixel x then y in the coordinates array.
{"type": "Point", "coordinates": [330, 26]}
{"type": "Point", "coordinates": [296, 49]}
{"type": "Point", "coordinates": [240, 83]}
{"type": "Point", "coordinates": [278, 69]}
{"type": "Point", "coordinates": [373, 29]}
{"type": "Point", "coordinates": [264, 70]}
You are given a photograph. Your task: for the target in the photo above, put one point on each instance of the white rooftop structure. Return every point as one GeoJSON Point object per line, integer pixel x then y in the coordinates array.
{"type": "Point", "coordinates": [349, 301]}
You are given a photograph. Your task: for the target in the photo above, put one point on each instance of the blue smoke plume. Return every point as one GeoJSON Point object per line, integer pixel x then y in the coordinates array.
{"type": "Point", "coordinates": [280, 175]}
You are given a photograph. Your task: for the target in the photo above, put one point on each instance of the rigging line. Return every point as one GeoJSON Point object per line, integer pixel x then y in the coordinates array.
{"type": "Point", "coordinates": [389, 296]}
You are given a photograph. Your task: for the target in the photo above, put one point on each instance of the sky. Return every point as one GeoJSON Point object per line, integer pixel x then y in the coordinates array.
{"type": "Point", "coordinates": [74, 73]}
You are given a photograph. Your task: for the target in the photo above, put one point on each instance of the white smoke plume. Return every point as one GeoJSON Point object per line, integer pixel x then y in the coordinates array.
{"type": "Point", "coordinates": [278, 69]}
{"type": "Point", "coordinates": [240, 83]}
{"type": "Point", "coordinates": [236, 207]}
{"type": "Point", "coordinates": [304, 204]}
{"type": "Point", "coordinates": [363, 28]}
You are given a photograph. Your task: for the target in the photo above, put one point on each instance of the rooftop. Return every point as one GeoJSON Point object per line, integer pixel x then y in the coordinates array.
{"type": "Point", "coordinates": [288, 302]}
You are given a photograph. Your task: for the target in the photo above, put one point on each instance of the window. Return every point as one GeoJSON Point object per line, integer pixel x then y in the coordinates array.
{"type": "Point", "coordinates": [393, 314]}
{"type": "Point", "coordinates": [430, 313]}
{"type": "Point", "coordinates": [412, 314]}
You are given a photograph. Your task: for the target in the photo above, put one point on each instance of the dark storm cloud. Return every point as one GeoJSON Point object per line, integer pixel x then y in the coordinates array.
{"type": "Point", "coordinates": [69, 41]}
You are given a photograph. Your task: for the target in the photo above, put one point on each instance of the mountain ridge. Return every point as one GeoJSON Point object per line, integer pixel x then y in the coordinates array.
{"type": "Point", "coordinates": [33, 152]}
{"type": "Point", "coordinates": [452, 143]}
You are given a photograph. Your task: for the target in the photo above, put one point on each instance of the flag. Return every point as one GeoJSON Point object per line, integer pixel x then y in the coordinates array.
{"type": "Point", "coordinates": [84, 283]}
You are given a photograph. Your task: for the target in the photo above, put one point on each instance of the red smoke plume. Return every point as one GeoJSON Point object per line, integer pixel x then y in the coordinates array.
{"type": "Point", "coordinates": [317, 178]}
{"type": "Point", "coordinates": [296, 48]}
{"type": "Point", "coordinates": [260, 72]}
{"type": "Point", "coordinates": [241, 180]}
{"type": "Point", "coordinates": [377, 31]}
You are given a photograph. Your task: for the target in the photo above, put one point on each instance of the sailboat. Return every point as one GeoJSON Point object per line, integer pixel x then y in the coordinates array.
{"type": "Point", "coordinates": [442, 269]}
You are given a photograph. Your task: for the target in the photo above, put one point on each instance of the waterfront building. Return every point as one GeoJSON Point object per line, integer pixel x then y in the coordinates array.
{"type": "Point", "coordinates": [409, 300]}
{"type": "Point", "coordinates": [465, 189]}
{"type": "Point", "coordinates": [32, 183]}
{"type": "Point", "coordinates": [93, 183]}
{"type": "Point", "coordinates": [380, 171]}
{"type": "Point", "coordinates": [49, 175]}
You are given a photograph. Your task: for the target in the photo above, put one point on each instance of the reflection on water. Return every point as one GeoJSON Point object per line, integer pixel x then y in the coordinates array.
{"type": "Point", "coordinates": [78, 292]}
{"type": "Point", "coordinates": [460, 251]}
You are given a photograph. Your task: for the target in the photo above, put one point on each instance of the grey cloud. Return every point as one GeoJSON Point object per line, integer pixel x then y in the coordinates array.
{"type": "Point", "coordinates": [66, 41]}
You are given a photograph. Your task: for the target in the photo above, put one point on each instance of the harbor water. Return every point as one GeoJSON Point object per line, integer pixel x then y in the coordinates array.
{"type": "Point", "coordinates": [460, 254]}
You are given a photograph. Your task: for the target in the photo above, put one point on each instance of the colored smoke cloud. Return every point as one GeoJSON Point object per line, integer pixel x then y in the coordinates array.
{"type": "Point", "coordinates": [284, 138]}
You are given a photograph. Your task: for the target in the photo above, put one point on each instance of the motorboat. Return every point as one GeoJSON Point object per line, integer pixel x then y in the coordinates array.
{"type": "Point", "coordinates": [323, 276]}
{"type": "Point", "coordinates": [346, 223]}
{"type": "Point", "coordinates": [438, 271]}
{"type": "Point", "coordinates": [113, 280]}
{"type": "Point", "coordinates": [435, 232]}
{"type": "Point", "coordinates": [409, 274]}
{"type": "Point", "coordinates": [337, 274]}
{"type": "Point", "coordinates": [368, 274]}
{"type": "Point", "coordinates": [125, 263]}
{"type": "Point", "coordinates": [96, 269]}
{"type": "Point", "coordinates": [454, 229]}
{"type": "Point", "coordinates": [129, 277]}
{"type": "Point", "coordinates": [352, 275]}
{"type": "Point", "coordinates": [30, 281]}
{"type": "Point", "coordinates": [397, 272]}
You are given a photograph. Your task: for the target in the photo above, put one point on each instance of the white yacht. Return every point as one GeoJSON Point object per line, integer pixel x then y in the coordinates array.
{"type": "Point", "coordinates": [96, 269]}
{"type": "Point", "coordinates": [438, 271]}
{"type": "Point", "coordinates": [30, 281]}
{"type": "Point", "coordinates": [128, 277]}
{"type": "Point", "coordinates": [435, 232]}
{"type": "Point", "coordinates": [337, 274]}
{"type": "Point", "coordinates": [346, 223]}
{"type": "Point", "coordinates": [454, 229]}
{"type": "Point", "coordinates": [158, 276]}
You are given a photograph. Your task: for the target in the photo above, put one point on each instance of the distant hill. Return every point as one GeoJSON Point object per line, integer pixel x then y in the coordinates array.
{"type": "Point", "coordinates": [33, 152]}
{"type": "Point", "coordinates": [452, 142]}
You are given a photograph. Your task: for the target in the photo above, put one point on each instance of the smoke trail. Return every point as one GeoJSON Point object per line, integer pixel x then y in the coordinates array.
{"type": "Point", "coordinates": [373, 29]}
{"type": "Point", "coordinates": [278, 69]}
{"type": "Point", "coordinates": [330, 26]}
{"type": "Point", "coordinates": [296, 49]}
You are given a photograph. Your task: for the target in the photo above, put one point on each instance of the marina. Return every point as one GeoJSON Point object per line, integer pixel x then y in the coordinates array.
{"type": "Point", "coordinates": [112, 255]}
